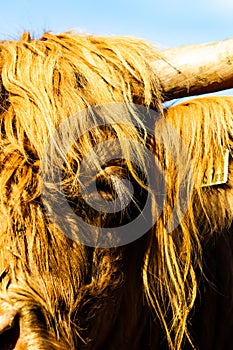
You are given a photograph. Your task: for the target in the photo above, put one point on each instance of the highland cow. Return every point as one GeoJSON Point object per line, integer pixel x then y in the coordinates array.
{"type": "Point", "coordinates": [170, 288]}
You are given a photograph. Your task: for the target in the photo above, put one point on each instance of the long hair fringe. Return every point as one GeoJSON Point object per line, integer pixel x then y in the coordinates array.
{"type": "Point", "coordinates": [56, 284]}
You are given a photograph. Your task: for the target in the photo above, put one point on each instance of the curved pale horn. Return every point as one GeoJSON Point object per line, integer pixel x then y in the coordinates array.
{"type": "Point", "coordinates": [196, 69]}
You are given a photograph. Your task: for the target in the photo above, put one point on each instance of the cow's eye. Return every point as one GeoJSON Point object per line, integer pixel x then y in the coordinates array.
{"type": "Point", "coordinates": [113, 182]}
{"type": "Point", "coordinates": [111, 198]}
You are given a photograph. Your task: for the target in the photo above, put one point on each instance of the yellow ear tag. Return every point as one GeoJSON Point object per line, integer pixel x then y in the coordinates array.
{"type": "Point", "coordinates": [218, 173]}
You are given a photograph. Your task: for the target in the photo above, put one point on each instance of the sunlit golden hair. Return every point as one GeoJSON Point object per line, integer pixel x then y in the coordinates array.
{"type": "Point", "coordinates": [205, 126]}
{"type": "Point", "coordinates": [61, 289]}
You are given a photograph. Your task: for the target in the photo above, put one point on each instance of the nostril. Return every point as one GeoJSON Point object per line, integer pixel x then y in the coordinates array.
{"type": "Point", "coordinates": [9, 330]}
{"type": "Point", "coordinates": [7, 320]}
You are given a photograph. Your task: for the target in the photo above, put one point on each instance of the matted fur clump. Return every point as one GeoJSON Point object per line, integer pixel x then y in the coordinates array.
{"type": "Point", "coordinates": [66, 295]}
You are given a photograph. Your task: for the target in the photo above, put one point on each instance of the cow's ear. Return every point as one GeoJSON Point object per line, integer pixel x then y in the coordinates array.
{"type": "Point", "coordinates": [9, 329]}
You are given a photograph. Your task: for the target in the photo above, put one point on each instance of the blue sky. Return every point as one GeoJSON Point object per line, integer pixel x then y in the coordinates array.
{"type": "Point", "coordinates": [164, 23]}
{"type": "Point", "coordinates": [167, 23]}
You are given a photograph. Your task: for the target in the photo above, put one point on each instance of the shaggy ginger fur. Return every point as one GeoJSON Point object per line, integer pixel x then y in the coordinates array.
{"type": "Point", "coordinates": [69, 296]}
